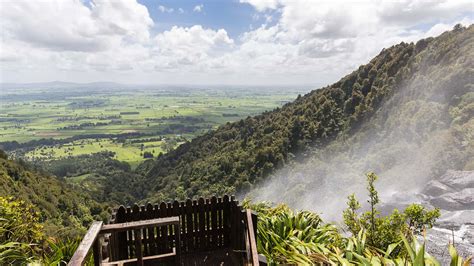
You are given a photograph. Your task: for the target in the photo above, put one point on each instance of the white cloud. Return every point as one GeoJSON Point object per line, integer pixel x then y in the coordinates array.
{"type": "Point", "coordinates": [190, 46]}
{"type": "Point", "coordinates": [164, 9]}
{"type": "Point", "coordinates": [300, 42]}
{"type": "Point", "coordinates": [262, 5]}
{"type": "Point", "coordinates": [198, 8]}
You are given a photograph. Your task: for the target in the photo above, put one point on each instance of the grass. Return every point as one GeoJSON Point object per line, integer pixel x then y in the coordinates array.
{"type": "Point", "coordinates": [30, 117]}
{"type": "Point", "coordinates": [130, 153]}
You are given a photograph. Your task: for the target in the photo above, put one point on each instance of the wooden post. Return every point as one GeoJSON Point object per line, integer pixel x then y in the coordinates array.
{"type": "Point", "coordinates": [177, 229]}
{"type": "Point", "coordinates": [252, 238]}
{"type": "Point", "coordinates": [97, 251]}
{"type": "Point", "coordinates": [79, 257]}
{"type": "Point", "coordinates": [138, 247]}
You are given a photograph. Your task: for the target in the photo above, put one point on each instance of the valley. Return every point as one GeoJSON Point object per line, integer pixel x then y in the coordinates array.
{"type": "Point", "coordinates": [85, 120]}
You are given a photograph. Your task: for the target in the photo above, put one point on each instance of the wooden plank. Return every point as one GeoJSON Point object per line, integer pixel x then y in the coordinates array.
{"type": "Point", "coordinates": [138, 246]}
{"type": "Point", "coordinates": [170, 239]}
{"type": "Point", "coordinates": [128, 218]}
{"type": "Point", "coordinates": [150, 231]}
{"type": "Point", "coordinates": [177, 229]}
{"type": "Point", "coordinates": [214, 222]}
{"type": "Point", "coordinates": [207, 207]}
{"type": "Point", "coordinates": [189, 225]}
{"type": "Point", "coordinates": [121, 249]}
{"type": "Point", "coordinates": [220, 226]}
{"type": "Point", "coordinates": [111, 228]}
{"type": "Point", "coordinates": [226, 217]}
{"type": "Point", "coordinates": [153, 257]}
{"type": "Point", "coordinates": [178, 245]}
{"type": "Point", "coordinates": [195, 213]}
{"type": "Point", "coordinates": [78, 259]}
{"type": "Point", "coordinates": [184, 244]}
{"type": "Point", "coordinates": [163, 230]}
{"type": "Point", "coordinates": [144, 216]}
{"type": "Point", "coordinates": [97, 251]}
{"type": "Point", "coordinates": [252, 239]}
{"type": "Point", "coordinates": [202, 226]}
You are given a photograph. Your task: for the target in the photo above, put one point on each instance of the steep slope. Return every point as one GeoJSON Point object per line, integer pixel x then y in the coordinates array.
{"type": "Point", "coordinates": [65, 211]}
{"type": "Point", "coordinates": [240, 154]}
{"type": "Point", "coordinates": [421, 132]}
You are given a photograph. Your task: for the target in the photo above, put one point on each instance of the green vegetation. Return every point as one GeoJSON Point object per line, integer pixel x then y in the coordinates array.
{"type": "Point", "coordinates": [92, 167]}
{"type": "Point", "coordinates": [64, 211]}
{"type": "Point", "coordinates": [52, 124]}
{"type": "Point", "coordinates": [239, 155]}
{"type": "Point", "coordinates": [106, 179]}
{"type": "Point", "coordinates": [301, 238]}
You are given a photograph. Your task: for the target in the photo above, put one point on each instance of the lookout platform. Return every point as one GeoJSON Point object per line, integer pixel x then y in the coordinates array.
{"type": "Point", "coordinates": [215, 231]}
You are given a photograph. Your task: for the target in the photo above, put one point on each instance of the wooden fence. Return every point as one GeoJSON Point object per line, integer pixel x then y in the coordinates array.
{"type": "Point", "coordinates": [205, 224]}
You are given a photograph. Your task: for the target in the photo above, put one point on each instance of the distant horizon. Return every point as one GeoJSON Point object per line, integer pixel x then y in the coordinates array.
{"type": "Point", "coordinates": [244, 42]}
{"type": "Point", "coordinates": [60, 82]}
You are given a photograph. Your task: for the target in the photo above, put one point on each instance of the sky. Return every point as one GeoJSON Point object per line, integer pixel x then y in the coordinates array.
{"type": "Point", "coordinates": [218, 42]}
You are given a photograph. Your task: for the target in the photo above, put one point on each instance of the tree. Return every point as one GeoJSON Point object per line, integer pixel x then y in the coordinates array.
{"type": "Point", "coordinates": [147, 155]}
{"type": "Point", "coordinates": [382, 231]}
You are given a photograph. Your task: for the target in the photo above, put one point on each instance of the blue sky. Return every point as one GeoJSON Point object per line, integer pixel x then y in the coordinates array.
{"type": "Point", "coordinates": [235, 42]}
{"type": "Point", "coordinates": [233, 16]}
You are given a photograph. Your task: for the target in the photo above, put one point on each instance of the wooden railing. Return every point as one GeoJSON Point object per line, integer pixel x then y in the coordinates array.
{"type": "Point", "coordinates": [140, 233]}
{"type": "Point", "coordinates": [250, 237]}
{"type": "Point", "coordinates": [93, 238]}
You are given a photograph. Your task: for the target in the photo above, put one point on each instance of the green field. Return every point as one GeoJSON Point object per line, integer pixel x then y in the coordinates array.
{"type": "Point", "coordinates": [171, 115]}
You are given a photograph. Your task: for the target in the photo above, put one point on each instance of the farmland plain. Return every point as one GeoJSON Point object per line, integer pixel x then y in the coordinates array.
{"type": "Point", "coordinates": [127, 121]}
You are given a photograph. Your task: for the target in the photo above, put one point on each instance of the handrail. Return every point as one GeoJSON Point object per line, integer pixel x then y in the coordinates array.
{"type": "Point", "coordinates": [251, 238]}
{"type": "Point", "coordinates": [97, 228]}
{"type": "Point", "coordinates": [89, 239]}
{"type": "Point", "coordinates": [114, 228]}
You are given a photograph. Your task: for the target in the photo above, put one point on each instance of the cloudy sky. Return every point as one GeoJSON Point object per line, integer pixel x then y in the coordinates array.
{"type": "Point", "coordinates": [238, 42]}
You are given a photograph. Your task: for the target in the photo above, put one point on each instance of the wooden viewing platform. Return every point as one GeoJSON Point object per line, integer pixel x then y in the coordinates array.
{"type": "Point", "coordinates": [212, 231]}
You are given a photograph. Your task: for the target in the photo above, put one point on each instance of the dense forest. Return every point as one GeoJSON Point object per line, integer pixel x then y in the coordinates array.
{"type": "Point", "coordinates": [64, 211]}
{"type": "Point", "coordinates": [238, 155]}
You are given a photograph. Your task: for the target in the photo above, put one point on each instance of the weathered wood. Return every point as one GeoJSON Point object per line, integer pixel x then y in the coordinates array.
{"type": "Point", "coordinates": [252, 239]}
{"type": "Point", "coordinates": [151, 243]}
{"type": "Point", "coordinates": [214, 222]}
{"type": "Point", "coordinates": [129, 218]}
{"type": "Point", "coordinates": [205, 225]}
{"type": "Point", "coordinates": [226, 217]}
{"type": "Point", "coordinates": [178, 245]}
{"type": "Point", "coordinates": [195, 214]}
{"type": "Point", "coordinates": [121, 244]}
{"type": "Point", "coordinates": [219, 222]}
{"type": "Point", "coordinates": [138, 246]}
{"type": "Point", "coordinates": [80, 255]}
{"type": "Point", "coordinates": [177, 230]}
{"type": "Point", "coordinates": [189, 225]}
{"type": "Point", "coordinates": [153, 257]}
{"type": "Point", "coordinates": [112, 228]}
{"type": "Point", "coordinates": [163, 230]}
{"type": "Point", "coordinates": [97, 251]}
{"type": "Point", "coordinates": [202, 224]}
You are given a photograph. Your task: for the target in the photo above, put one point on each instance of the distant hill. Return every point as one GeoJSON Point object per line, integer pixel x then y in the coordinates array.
{"type": "Point", "coordinates": [235, 157]}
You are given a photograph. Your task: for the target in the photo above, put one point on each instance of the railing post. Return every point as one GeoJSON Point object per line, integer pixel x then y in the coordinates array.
{"type": "Point", "coordinates": [97, 250]}
{"type": "Point", "coordinates": [78, 259]}
{"type": "Point", "coordinates": [138, 247]}
{"type": "Point", "coordinates": [252, 237]}
{"type": "Point", "coordinates": [177, 231]}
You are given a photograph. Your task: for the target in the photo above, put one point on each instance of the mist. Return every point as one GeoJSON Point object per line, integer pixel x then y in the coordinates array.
{"type": "Point", "coordinates": [408, 141]}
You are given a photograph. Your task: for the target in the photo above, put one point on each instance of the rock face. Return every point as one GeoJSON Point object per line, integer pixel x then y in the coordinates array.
{"type": "Point", "coordinates": [452, 191]}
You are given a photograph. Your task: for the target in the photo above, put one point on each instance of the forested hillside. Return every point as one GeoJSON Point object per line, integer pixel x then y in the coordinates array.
{"type": "Point", "coordinates": [64, 211]}
{"type": "Point", "coordinates": [241, 154]}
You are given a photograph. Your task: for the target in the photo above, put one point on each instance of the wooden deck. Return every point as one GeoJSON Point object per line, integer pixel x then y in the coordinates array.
{"type": "Point", "coordinates": [212, 231]}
